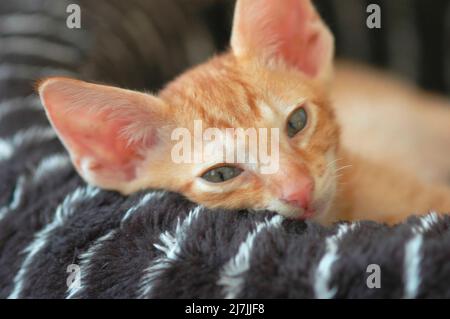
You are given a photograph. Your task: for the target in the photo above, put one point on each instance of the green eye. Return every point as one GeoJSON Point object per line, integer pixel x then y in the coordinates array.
{"type": "Point", "coordinates": [221, 174]}
{"type": "Point", "coordinates": [297, 121]}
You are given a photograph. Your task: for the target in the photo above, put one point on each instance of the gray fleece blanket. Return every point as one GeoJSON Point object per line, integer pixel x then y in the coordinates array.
{"type": "Point", "coordinates": [60, 238]}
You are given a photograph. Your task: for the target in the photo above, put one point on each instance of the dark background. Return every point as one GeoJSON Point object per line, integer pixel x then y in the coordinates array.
{"type": "Point", "coordinates": [142, 44]}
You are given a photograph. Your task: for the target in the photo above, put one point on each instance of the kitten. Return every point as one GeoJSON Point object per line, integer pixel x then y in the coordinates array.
{"type": "Point", "coordinates": [277, 74]}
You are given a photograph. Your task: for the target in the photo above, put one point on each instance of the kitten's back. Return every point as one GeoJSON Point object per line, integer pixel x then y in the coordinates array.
{"type": "Point", "coordinates": [388, 120]}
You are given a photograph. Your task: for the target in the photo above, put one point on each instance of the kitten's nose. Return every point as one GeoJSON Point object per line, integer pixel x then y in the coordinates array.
{"type": "Point", "coordinates": [299, 192]}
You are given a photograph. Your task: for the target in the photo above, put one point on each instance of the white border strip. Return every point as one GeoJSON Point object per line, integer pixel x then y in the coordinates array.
{"type": "Point", "coordinates": [49, 165]}
{"type": "Point", "coordinates": [41, 48]}
{"type": "Point", "coordinates": [322, 276]}
{"type": "Point", "coordinates": [9, 145]}
{"type": "Point", "coordinates": [17, 197]}
{"type": "Point", "coordinates": [232, 273]}
{"type": "Point", "coordinates": [63, 211]}
{"type": "Point", "coordinates": [46, 167]}
{"type": "Point", "coordinates": [29, 72]}
{"type": "Point", "coordinates": [31, 102]}
{"type": "Point", "coordinates": [170, 246]}
{"type": "Point", "coordinates": [145, 200]}
{"type": "Point", "coordinates": [74, 291]}
{"type": "Point", "coordinates": [39, 25]}
{"type": "Point", "coordinates": [413, 256]}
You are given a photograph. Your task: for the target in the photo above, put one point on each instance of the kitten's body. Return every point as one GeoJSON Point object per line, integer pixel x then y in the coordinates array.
{"type": "Point", "coordinates": [395, 146]}
{"type": "Point", "coordinates": [279, 64]}
{"type": "Point", "coordinates": [388, 120]}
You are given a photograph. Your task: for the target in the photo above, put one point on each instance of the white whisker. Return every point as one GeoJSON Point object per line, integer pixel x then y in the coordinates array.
{"type": "Point", "coordinates": [334, 162]}
{"type": "Point", "coordinates": [342, 168]}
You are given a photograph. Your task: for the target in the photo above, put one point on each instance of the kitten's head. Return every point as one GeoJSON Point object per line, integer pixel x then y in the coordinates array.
{"type": "Point", "coordinates": [270, 87]}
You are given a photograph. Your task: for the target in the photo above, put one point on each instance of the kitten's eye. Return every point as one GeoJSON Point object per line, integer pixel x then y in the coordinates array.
{"type": "Point", "coordinates": [221, 174]}
{"type": "Point", "coordinates": [297, 121]}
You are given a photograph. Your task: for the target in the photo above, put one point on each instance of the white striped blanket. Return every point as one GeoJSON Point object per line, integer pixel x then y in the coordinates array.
{"type": "Point", "coordinates": [60, 238]}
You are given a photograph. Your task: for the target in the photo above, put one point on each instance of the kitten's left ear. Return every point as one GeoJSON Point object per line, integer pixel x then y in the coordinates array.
{"type": "Point", "coordinates": [288, 29]}
{"type": "Point", "coordinates": [109, 132]}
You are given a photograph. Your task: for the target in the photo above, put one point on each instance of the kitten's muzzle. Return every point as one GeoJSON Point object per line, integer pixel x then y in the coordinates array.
{"type": "Point", "coordinates": [299, 194]}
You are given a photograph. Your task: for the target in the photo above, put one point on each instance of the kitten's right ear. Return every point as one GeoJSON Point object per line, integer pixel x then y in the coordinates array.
{"type": "Point", "coordinates": [290, 30]}
{"type": "Point", "coordinates": [109, 132]}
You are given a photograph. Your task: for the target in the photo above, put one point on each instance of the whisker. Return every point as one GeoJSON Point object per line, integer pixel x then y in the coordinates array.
{"type": "Point", "coordinates": [342, 168]}
{"type": "Point", "coordinates": [334, 162]}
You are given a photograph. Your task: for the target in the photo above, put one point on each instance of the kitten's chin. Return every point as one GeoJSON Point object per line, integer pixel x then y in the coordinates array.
{"type": "Point", "coordinates": [318, 211]}
{"type": "Point", "coordinates": [282, 209]}
{"type": "Point", "coordinates": [289, 211]}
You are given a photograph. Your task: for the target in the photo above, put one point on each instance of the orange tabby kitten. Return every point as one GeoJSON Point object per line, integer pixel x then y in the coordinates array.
{"type": "Point", "coordinates": [277, 74]}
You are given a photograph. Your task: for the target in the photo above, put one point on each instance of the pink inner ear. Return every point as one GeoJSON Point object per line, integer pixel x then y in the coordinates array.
{"type": "Point", "coordinates": [92, 121]}
{"type": "Point", "coordinates": [289, 29]}
{"type": "Point", "coordinates": [303, 45]}
{"type": "Point", "coordinates": [94, 137]}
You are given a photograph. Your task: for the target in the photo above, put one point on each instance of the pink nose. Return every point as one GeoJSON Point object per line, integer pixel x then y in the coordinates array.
{"type": "Point", "coordinates": [299, 194]}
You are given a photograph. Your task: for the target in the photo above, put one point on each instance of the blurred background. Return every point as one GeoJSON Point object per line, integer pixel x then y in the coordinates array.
{"type": "Point", "coordinates": [141, 44]}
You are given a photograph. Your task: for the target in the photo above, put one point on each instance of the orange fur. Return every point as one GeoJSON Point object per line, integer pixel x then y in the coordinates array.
{"type": "Point", "coordinates": [257, 84]}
